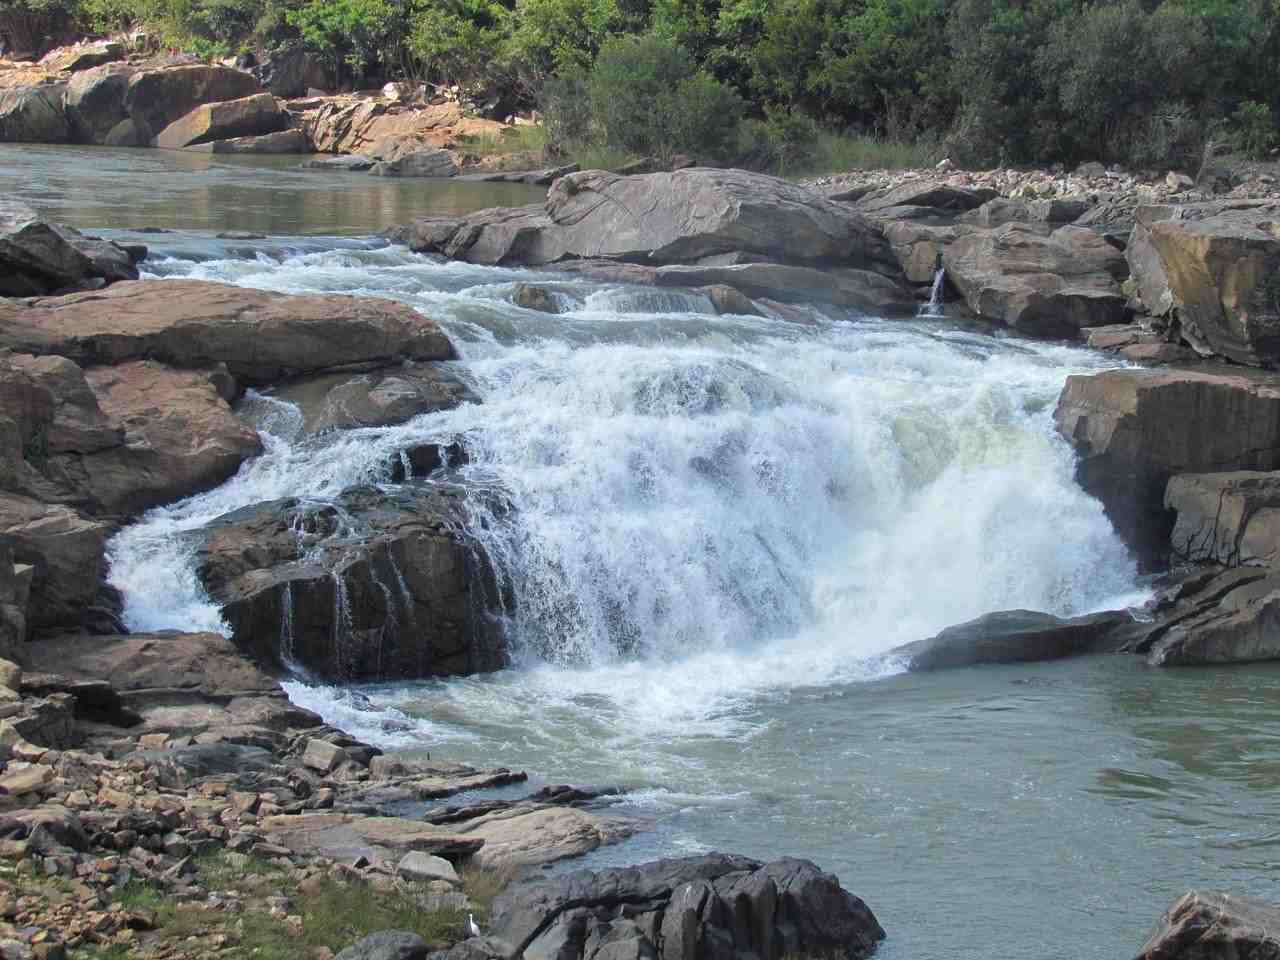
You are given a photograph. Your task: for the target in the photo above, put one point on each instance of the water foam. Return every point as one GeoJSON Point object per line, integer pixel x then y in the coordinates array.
{"type": "Point", "coordinates": [707, 510]}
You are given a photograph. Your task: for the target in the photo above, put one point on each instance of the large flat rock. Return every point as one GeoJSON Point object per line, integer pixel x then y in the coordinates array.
{"type": "Point", "coordinates": [246, 117]}
{"type": "Point", "coordinates": [660, 218]}
{"type": "Point", "coordinates": [344, 836]}
{"type": "Point", "coordinates": [522, 836]}
{"type": "Point", "coordinates": [1011, 636]}
{"type": "Point", "coordinates": [261, 337]}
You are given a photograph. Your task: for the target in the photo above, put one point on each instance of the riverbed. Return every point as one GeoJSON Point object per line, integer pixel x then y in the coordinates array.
{"type": "Point", "coordinates": [718, 526]}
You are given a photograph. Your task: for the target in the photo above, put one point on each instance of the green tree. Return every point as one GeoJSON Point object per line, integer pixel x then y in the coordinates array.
{"type": "Point", "coordinates": [352, 33]}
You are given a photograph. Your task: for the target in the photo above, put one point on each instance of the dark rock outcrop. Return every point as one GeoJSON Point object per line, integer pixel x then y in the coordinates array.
{"type": "Point", "coordinates": [1208, 925]}
{"type": "Point", "coordinates": [38, 256]}
{"type": "Point", "coordinates": [293, 71]}
{"type": "Point", "coordinates": [714, 906]}
{"type": "Point", "coordinates": [1135, 429]}
{"type": "Point", "coordinates": [376, 585]}
{"type": "Point", "coordinates": [290, 335]}
{"type": "Point", "coordinates": [1012, 636]}
{"type": "Point", "coordinates": [863, 290]}
{"type": "Point", "coordinates": [419, 163]}
{"type": "Point", "coordinates": [380, 398]}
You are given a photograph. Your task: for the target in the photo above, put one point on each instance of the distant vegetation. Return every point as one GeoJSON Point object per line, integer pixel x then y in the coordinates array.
{"type": "Point", "coordinates": [776, 82]}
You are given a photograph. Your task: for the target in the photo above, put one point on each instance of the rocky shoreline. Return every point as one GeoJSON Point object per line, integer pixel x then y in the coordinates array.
{"type": "Point", "coordinates": [165, 761]}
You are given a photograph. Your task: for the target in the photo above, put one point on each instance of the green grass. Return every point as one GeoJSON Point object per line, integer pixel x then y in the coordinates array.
{"type": "Point", "coordinates": [837, 153]}
{"type": "Point", "coordinates": [482, 886]}
{"type": "Point", "coordinates": [521, 139]}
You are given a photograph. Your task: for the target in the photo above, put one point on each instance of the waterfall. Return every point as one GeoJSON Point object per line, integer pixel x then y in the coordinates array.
{"type": "Point", "coordinates": [935, 308]}
{"type": "Point", "coordinates": [768, 504]}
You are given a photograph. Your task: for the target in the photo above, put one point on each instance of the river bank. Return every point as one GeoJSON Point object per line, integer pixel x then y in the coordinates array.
{"type": "Point", "coordinates": [938, 408]}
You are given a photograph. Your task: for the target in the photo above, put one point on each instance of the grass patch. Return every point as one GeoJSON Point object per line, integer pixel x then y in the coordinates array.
{"type": "Point", "coordinates": [526, 138]}
{"type": "Point", "coordinates": [216, 869]}
{"type": "Point", "coordinates": [837, 153]}
{"type": "Point", "coordinates": [482, 887]}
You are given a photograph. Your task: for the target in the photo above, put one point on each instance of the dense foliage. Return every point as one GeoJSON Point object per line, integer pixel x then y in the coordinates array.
{"type": "Point", "coordinates": [1144, 82]}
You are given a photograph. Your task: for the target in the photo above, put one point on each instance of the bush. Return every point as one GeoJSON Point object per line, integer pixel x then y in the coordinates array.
{"type": "Point", "coordinates": [1253, 129]}
{"type": "Point", "coordinates": [354, 34]}
{"type": "Point", "coordinates": [460, 41]}
{"type": "Point", "coordinates": [647, 96]}
{"type": "Point", "coordinates": [34, 26]}
{"type": "Point", "coordinates": [782, 141]}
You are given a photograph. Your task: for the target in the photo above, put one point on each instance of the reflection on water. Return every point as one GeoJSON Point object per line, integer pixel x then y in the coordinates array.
{"type": "Point", "coordinates": [103, 187]}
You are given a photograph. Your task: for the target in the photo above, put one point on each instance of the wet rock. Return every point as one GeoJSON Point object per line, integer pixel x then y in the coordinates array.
{"type": "Point", "coordinates": [1042, 283]}
{"type": "Point", "coordinates": [290, 335]}
{"type": "Point", "coordinates": [662, 218]}
{"type": "Point", "coordinates": [862, 290]}
{"type": "Point", "coordinates": [534, 296]}
{"type": "Point", "coordinates": [423, 459]}
{"type": "Point", "coordinates": [380, 398]}
{"type": "Point", "coordinates": [387, 945]}
{"type": "Point", "coordinates": [249, 116]}
{"type": "Point", "coordinates": [352, 163]}
{"type": "Point", "coordinates": [1208, 925]}
{"type": "Point", "coordinates": [36, 257]}
{"type": "Point", "coordinates": [1228, 518]}
{"type": "Point", "coordinates": [376, 585]}
{"type": "Point", "coordinates": [1135, 429]}
{"type": "Point", "coordinates": [420, 163]}
{"type": "Point", "coordinates": [713, 905]}
{"type": "Point", "coordinates": [533, 178]}
{"type": "Point", "coordinates": [1011, 636]}
{"type": "Point", "coordinates": [33, 114]}
{"type": "Point", "coordinates": [1243, 627]}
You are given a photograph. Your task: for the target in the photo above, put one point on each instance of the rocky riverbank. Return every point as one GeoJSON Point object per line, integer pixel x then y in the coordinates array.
{"type": "Point", "coordinates": [143, 762]}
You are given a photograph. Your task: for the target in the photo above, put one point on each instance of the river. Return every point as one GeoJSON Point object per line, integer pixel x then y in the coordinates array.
{"type": "Point", "coordinates": [719, 525]}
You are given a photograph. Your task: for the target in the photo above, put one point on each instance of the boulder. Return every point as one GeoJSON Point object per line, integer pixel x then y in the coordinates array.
{"type": "Point", "coordinates": [528, 835]}
{"type": "Point", "coordinates": [1208, 925]}
{"type": "Point", "coordinates": [935, 194]}
{"type": "Point", "coordinates": [157, 97]}
{"type": "Point", "coordinates": [387, 945]}
{"type": "Point", "coordinates": [345, 836]}
{"type": "Point", "coordinates": [1222, 275]}
{"type": "Point", "coordinates": [290, 335]}
{"type": "Point", "coordinates": [249, 116]}
{"type": "Point", "coordinates": [66, 551]}
{"type": "Point", "coordinates": [661, 218]}
{"type": "Point", "coordinates": [1244, 627]}
{"type": "Point", "coordinates": [94, 102]}
{"type": "Point", "coordinates": [1011, 636]}
{"type": "Point", "coordinates": [35, 255]}
{"type": "Point", "coordinates": [376, 585]}
{"type": "Point", "coordinates": [349, 163]}
{"type": "Point", "coordinates": [293, 71]}
{"type": "Point", "coordinates": [280, 142]}
{"type": "Point", "coordinates": [33, 114]}
{"type": "Point", "coordinates": [1042, 283]}
{"type": "Point", "coordinates": [419, 163]}
{"type": "Point", "coordinates": [862, 290]}
{"type": "Point", "coordinates": [322, 756]}
{"type": "Point", "coordinates": [1135, 429]}
{"type": "Point", "coordinates": [998, 211]}
{"type": "Point", "coordinates": [416, 865]}
{"type": "Point", "coordinates": [918, 243]}
{"type": "Point", "coordinates": [82, 56]}
{"type": "Point", "coordinates": [1231, 519]}
{"type": "Point", "coordinates": [715, 905]}
{"type": "Point", "coordinates": [381, 398]}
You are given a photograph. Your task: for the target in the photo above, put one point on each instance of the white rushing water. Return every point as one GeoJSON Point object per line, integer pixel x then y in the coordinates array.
{"type": "Point", "coordinates": [705, 508]}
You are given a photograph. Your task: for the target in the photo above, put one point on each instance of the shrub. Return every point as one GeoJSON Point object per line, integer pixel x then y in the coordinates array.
{"type": "Point", "coordinates": [781, 141]}
{"type": "Point", "coordinates": [1253, 129]}
{"type": "Point", "coordinates": [33, 26]}
{"type": "Point", "coordinates": [354, 34]}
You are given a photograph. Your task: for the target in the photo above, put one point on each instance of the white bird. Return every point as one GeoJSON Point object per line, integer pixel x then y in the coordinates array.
{"type": "Point", "coordinates": [472, 929]}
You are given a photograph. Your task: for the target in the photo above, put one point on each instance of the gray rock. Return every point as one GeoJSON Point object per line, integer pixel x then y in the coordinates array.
{"type": "Point", "coordinates": [1227, 518]}
{"type": "Point", "coordinates": [711, 906]}
{"type": "Point", "coordinates": [36, 256]}
{"type": "Point", "coordinates": [1040, 282]}
{"type": "Point", "coordinates": [33, 114]}
{"type": "Point", "coordinates": [1208, 925]}
{"type": "Point", "coordinates": [421, 163]}
{"type": "Point", "coordinates": [862, 290]}
{"type": "Point", "coordinates": [662, 218]}
{"type": "Point", "coordinates": [1011, 636]}
{"type": "Point", "coordinates": [348, 162]}
{"type": "Point", "coordinates": [387, 945]}
{"type": "Point", "coordinates": [323, 756]}
{"type": "Point", "coordinates": [416, 865]}
{"type": "Point", "coordinates": [1244, 627]}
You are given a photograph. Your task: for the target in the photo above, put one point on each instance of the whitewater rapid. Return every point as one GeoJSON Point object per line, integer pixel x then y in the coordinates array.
{"type": "Point", "coordinates": [705, 509]}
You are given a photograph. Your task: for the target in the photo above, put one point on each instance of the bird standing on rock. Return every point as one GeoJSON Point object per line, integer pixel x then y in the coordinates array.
{"type": "Point", "coordinates": [472, 929]}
